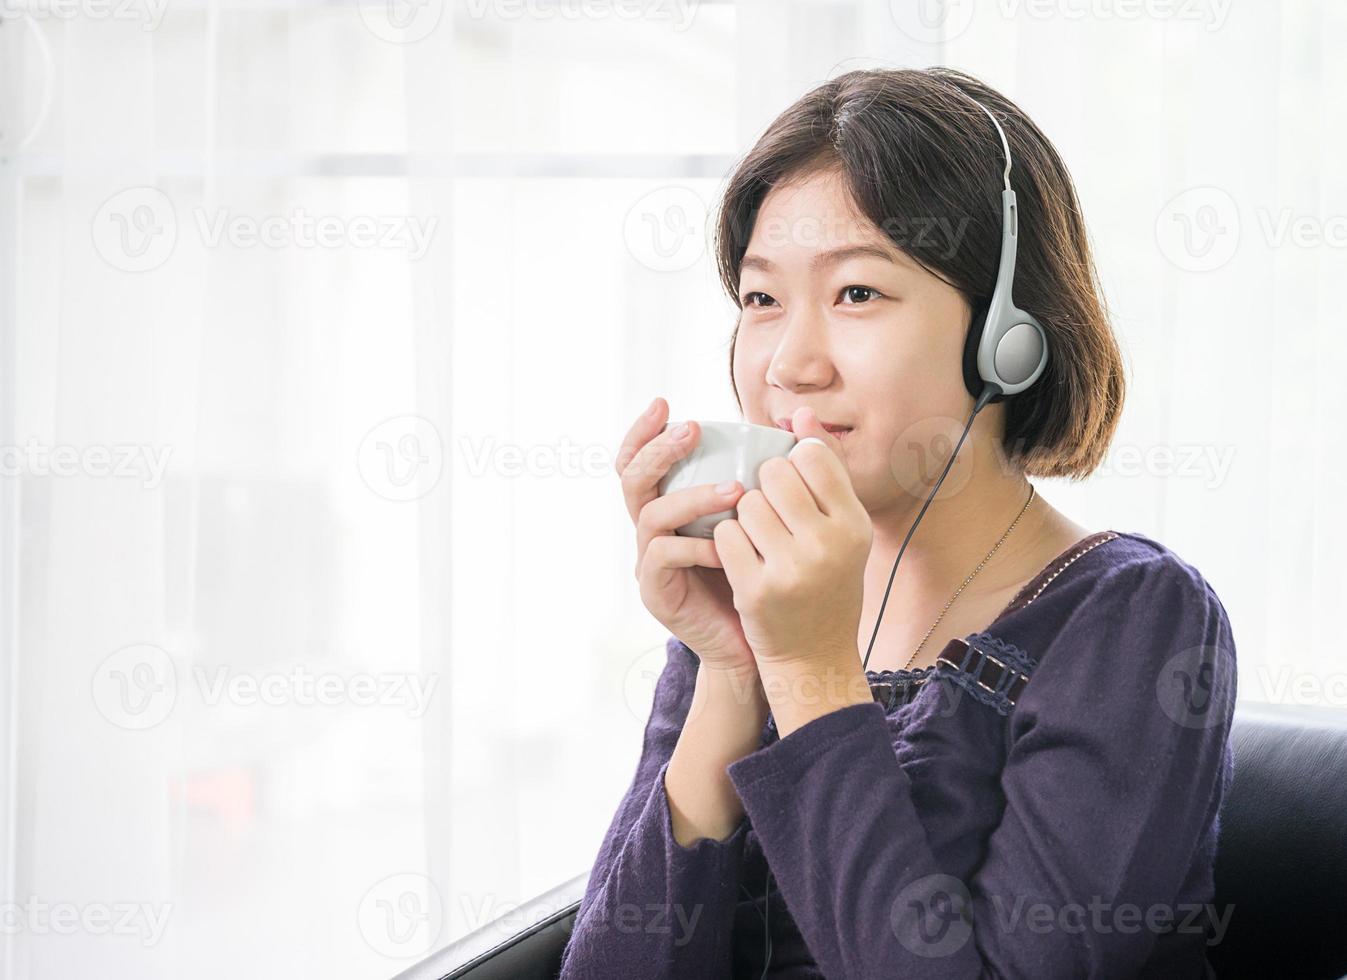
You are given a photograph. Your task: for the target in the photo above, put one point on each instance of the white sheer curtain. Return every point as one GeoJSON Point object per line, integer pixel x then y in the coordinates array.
{"type": "Point", "coordinates": [320, 324]}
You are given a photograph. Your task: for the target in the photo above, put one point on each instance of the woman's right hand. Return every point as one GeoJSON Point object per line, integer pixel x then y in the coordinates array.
{"type": "Point", "coordinates": [682, 581]}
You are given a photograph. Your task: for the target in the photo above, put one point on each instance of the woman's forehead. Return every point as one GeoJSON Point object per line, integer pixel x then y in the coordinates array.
{"type": "Point", "coordinates": [811, 219]}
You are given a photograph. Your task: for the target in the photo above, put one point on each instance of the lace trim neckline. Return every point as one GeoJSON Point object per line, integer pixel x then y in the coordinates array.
{"type": "Point", "coordinates": [898, 672]}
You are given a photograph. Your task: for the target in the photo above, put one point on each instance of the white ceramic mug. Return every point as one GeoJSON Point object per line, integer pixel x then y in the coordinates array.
{"type": "Point", "coordinates": [725, 451]}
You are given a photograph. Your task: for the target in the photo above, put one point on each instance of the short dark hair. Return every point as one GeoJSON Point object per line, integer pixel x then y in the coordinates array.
{"type": "Point", "coordinates": [910, 146]}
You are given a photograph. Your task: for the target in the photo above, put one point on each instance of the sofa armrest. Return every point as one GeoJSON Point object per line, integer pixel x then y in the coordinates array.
{"type": "Point", "coordinates": [524, 944]}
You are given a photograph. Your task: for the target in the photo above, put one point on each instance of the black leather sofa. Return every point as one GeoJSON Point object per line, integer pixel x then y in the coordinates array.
{"type": "Point", "coordinates": [1282, 862]}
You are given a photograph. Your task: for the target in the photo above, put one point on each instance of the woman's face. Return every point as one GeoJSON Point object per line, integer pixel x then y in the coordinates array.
{"type": "Point", "coordinates": [836, 318]}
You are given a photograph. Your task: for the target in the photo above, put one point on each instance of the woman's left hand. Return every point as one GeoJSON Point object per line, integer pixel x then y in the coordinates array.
{"type": "Point", "coordinates": [795, 556]}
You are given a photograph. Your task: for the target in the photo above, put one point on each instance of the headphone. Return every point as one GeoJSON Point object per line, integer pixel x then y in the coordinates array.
{"type": "Point", "coordinates": [1004, 353]}
{"type": "Point", "coordinates": [1006, 348]}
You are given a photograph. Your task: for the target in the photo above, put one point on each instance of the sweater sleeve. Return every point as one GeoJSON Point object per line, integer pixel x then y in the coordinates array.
{"type": "Point", "coordinates": [1117, 757]}
{"type": "Point", "coordinates": [653, 908]}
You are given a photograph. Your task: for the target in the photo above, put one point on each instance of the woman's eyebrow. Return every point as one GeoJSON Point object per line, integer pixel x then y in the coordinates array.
{"type": "Point", "coordinates": [828, 258]}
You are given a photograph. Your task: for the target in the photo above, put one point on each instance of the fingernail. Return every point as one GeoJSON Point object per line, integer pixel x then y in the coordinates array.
{"type": "Point", "coordinates": [653, 406]}
{"type": "Point", "coordinates": [679, 430]}
{"type": "Point", "coordinates": [726, 486]}
{"type": "Point", "coordinates": [808, 439]}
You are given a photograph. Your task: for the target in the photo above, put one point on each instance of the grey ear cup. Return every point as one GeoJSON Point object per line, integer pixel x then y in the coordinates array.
{"type": "Point", "coordinates": [1020, 357]}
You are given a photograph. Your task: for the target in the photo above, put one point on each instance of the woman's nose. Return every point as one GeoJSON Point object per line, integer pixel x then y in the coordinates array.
{"type": "Point", "coordinates": [801, 358]}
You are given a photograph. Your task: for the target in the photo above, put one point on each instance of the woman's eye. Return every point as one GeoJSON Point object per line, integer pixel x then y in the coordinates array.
{"type": "Point", "coordinates": [860, 294]}
{"type": "Point", "coordinates": [748, 299]}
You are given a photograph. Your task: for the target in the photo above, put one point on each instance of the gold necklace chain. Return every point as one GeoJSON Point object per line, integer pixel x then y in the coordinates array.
{"type": "Point", "coordinates": [970, 578]}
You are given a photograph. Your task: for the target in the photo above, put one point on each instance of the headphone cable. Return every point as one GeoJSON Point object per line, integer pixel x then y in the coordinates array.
{"type": "Point", "coordinates": [989, 391]}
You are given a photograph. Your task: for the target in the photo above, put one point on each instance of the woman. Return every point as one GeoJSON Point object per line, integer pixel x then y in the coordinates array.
{"type": "Point", "coordinates": [1025, 778]}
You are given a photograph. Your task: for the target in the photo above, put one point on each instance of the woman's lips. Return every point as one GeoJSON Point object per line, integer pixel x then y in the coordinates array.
{"type": "Point", "coordinates": [837, 430]}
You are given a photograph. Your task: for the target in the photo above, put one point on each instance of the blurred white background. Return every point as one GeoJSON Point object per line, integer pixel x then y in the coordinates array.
{"type": "Point", "coordinates": [320, 323]}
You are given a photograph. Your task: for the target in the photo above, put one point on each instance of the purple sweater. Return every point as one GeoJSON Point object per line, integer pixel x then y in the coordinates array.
{"type": "Point", "coordinates": [1043, 802]}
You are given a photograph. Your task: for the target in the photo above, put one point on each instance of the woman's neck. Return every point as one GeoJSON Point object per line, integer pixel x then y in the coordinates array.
{"type": "Point", "coordinates": [954, 535]}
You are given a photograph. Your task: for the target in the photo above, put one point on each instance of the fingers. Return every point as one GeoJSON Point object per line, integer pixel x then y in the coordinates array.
{"type": "Point", "coordinates": [668, 553]}
{"type": "Point", "coordinates": [662, 515]}
{"type": "Point", "coordinates": [825, 475]}
{"type": "Point", "coordinates": [806, 425]}
{"type": "Point", "coordinates": [761, 522]}
{"type": "Point", "coordinates": [655, 452]}
{"type": "Point", "coordinates": [736, 550]}
{"type": "Point", "coordinates": [788, 494]}
{"type": "Point", "coordinates": [642, 430]}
